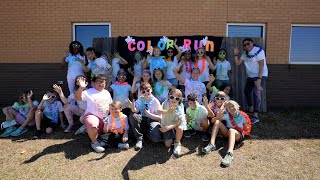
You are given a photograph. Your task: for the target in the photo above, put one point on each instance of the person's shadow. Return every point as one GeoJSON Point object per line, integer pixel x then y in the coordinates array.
{"type": "Point", "coordinates": [72, 149]}
{"type": "Point", "coordinates": [151, 153]}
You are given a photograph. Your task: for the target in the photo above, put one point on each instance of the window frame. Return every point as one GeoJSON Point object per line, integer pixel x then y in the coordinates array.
{"type": "Point", "coordinates": [290, 45]}
{"type": "Point", "coordinates": [249, 24]}
{"type": "Point", "coordinates": [88, 24]}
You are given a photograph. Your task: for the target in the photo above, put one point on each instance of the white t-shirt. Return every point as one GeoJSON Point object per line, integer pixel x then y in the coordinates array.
{"type": "Point", "coordinates": [82, 104]}
{"type": "Point", "coordinates": [173, 118]}
{"type": "Point", "coordinates": [152, 105]}
{"type": "Point", "coordinates": [252, 65]}
{"type": "Point", "coordinates": [74, 67]}
{"type": "Point", "coordinates": [222, 68]}
{"type": "Point", "coordinates": [204, 76]}
{"type": "Point", "coordinates": [97, 102]}
{"type": "Point", "coordinates": [194, 87]}
{"type": "Point", "coordinates": [121, 93]}
{"type": "Point", "coordinates": [161, 91]}
{"type": "Point", "coordinates": [170, 66]}
{"type": "Point", "coordinates": [203, 113]}
{"type": "Point", "coordinates": [115, 68]}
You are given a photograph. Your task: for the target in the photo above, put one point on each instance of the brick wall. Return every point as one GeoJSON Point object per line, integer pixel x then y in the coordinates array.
{"type": "Point", "coordinates": [38, 31]}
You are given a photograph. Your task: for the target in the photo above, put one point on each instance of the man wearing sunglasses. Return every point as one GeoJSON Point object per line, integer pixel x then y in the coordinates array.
{"type": "Point", "coordinates": [255, 62]}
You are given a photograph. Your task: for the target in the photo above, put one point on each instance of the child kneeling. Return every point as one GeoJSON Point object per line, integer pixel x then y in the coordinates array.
{"type": "Point", "coordinates": [237, 125]}
{"type": "Point", "coordinates": [117, 127]}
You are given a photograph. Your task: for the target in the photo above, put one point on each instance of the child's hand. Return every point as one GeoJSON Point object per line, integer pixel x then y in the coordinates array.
{"type": "Point", "coordinates": [80, 60]}
{"type": "Point", "coordinates": [220, 114]}
{"type": "Point", "coordinates": [212, 78]}
{"type": "Point", "coordinates": [130, 70]}
{"type": "Point", "coordinates": [176, 69]}
{"type": "Point", "coordinates": [57, 89]}
{"type": "Point", "coordinates": [187, 118]}
{"type": "Point", "coordinates": [66, 52]}
{"type": "Point", "coordinates": [29, 95]}
{"type": "Point", "coordinates": [125, 137]}
{"type": "Point", "coordinates": [45, 97]}
{"type": "Point", "coordinates": [130, 103]}
{"type": "Point", "coordinates": [147, 112]}
{"type": "Point", "coordinates": [117, 55]}
{"type": "Point", "coordinates": [136, 79]}
{"type": "Point", "coordinates": [82, 82]}
{"type": "Point", "coordinates": [148, 57]}
{"type": "Point", "coordinates": [205, 101]}
{"type": "Point", "coordinates": [164, 83]}
{"type": "Point", "coordinates": [210, 105]}
{"type": "Point", "coordinates": [236, 51]}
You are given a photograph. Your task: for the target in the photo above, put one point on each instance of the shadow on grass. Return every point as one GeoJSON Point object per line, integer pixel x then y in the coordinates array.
{"type": "Point", "coordinates": [72, 149]}
{"type": "Point", "coordinates": [151, 153]}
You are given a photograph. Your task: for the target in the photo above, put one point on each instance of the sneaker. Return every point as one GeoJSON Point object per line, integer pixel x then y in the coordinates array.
{"type": "Point", "coordinates": [97, 147]}
{"type": "Point", "coordinates": [8, 131]}
{"type": "Point", "coordinates": [209, 148]}
{"type": "Point", "coordinates": [226, 161]}
{"type": "Point", "coordinates": [123, 146]}
{"type": "Point", "coordinates": [205, 137]}
{"type": "Point", "coordinates": [69, 128]}
{"type": "Point", "coordinates": [104, 143]}
{"type": "Point", "coordinates": [138, 145]}
{"type": "Point", "coordinates": [36, 134]}
{"type": "Point", "coordinates": [81, 130]}
{"type": "Point", "coordinates": [19, 131]}
{"type": "Point", "coordinates": [254, 120]}
{"type": "Point", "coordinates": [7, 124]}
{"type": "Point", "coordinates": [177, 149]}
{"type": "Point", "coordinates": [187, 134]}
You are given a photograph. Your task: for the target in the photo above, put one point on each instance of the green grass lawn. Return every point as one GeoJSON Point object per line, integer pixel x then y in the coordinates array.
{"type": "Point", "coordinates": [284, 145]}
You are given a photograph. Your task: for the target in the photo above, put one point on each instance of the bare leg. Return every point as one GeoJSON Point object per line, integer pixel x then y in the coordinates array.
{"type": "Point", "coordinates": [30, 117]}
{"type": "Point", "coordinates": [179, 133]}
{"type": "Point", "coordinates": [168, 143]}
{"type": "Point", "coordinates": [38, 116]}
{"type": "Point", "coordinates": [92, 133]}
{"type": "Point", "coordinates": [218, 125]}
{"type": "Point", "coordinates": [234, 136]}
{"type": "Point", "coordinates": [10, 113]}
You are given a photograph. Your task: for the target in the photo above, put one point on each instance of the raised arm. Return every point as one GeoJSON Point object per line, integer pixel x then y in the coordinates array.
{"type": "Point", "coordinates": [82, 85]}
{"type": "Point", "coordinates": [32, 106]}
{"type": "Point", "coordinates": [178, 49]}
{"type": "Point", "coordinates": [211, 80]}
{"type": "Point", "coordinates": [58, 89]}
{"type": "Point", "coordinates": [178, 76]}
{"type": "Point", "coordinates": [211, 66]}
{"type": "Point", "coordinates": [84, 67]}
{"type": "Point", "coordinates": [237, 61]}
{"type": "Point", "coordinates": [134, 86]}
{"type": "Point", "coordinates": [122, 60]}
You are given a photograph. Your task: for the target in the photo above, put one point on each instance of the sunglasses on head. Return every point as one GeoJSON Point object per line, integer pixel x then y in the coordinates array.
{"type": "Point", "coordinates": [200, 52]}
{"type": "Point", "coordinates": [246, 44]}
{"type": "Point", "coordinates": [222, 53]}
{"type": "Point", "coordinates": [219, 98]}
{"type": "Point", "coordinates": [146, 90]}
{"type": "Point", "coordinates": [76, 46]}
{"type": "Point", "coordinates": [174, 97]}
{"type": "Point", "coordinates": [122, 76]}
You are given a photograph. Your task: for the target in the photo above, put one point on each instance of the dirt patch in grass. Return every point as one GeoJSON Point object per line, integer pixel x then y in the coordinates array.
{"type": "Point", "coordinates": [285, 145]}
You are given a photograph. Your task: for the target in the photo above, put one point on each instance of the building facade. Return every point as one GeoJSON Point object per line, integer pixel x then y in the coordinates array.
{"type": "Point", "coordinates": [35, 34]}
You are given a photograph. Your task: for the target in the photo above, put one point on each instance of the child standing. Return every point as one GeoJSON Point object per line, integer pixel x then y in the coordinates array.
{"type": "Point", "coordinates": [237, 125]}
{"type": "Point", "coordinates": [74, 59]}
{"type": "Point", "coordinates": [172, 120]}
{"type": "Point", "coordinates": [22, 112]}
{"type": "Point", "coordinates": [98, 100]}
{"type": "Point", "coordinates": [223, 69]}
{"type": "Point", "coordinates": [186, 65]}
{"type": "Point", "coordinates": [144, 117]}
{"type": "Point", "coordinates": [116, 61]}
{"type": "Point", "coordinates": [192, 86]}
{"type": "Point", "coordinates": [196, 116]}
{"type": "Point", "coordinates": [121, 91]}
{"type": "Point", "coordinates": [156, 61]}
{"type": "Point", "coordinates": [118, 127]}
{"type": "Point", "coordinates": [138, 60]}
{"type": "Point", "coordinates": [171, 63]}
{"type": "Point", "coordinates": [203, 62]}
{"type": "Point", "coordinates": [49, 112]}
{"type": "Point", "coordinates": [161, 87]}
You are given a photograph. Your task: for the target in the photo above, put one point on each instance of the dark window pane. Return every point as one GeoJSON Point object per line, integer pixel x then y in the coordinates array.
{"type": "Point", "coordinates": [245, 31]}
{"type": "Point", "coordinates": [86, 33]}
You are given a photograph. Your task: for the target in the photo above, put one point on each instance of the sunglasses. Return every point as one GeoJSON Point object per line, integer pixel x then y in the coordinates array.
{"type": "Point", "coordinates": [246, 44]}
{"type": "Point", "coordinates": [222, 53]}
{"type": "Point", "coordinates": [52, 96]}
{"type": "Point", "coordinates": [23, 97]}
{"type": "Point", "coordinates": [200, 52]}
{"type": "Point", "coordinates": [146, 90]}
{"type": "Point", "coordinates": [170, 51]}
{"type": "Point", "coordinates": [219, 98]}
{"type": "Point", "coordinates": [174, 97]}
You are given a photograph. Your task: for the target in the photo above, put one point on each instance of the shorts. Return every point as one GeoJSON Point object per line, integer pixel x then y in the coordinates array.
{"type": "Point", "coordinates": [241, 136]}
{"type": "Point", "coordinates": [95, 122]}
{"type": "Point", "coordinates": [47, 123]}
{"type": "Point", "coordinates": [21, 119]}
{"type": "Point", "coordinates": [169, 135]}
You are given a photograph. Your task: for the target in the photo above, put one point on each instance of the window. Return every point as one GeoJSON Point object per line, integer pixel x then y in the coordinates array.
{"type": "Point", "coordinates": [304, 44]}
{"type": "Point", "coordinates": [86, 32]}
{"type": "Point", "coordinates": [246, 30]}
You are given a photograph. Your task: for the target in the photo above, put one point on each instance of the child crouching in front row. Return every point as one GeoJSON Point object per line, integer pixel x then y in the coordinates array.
{"type": "Point", "coordinates": [117, 127]}
{"type": "Point", "coordinates": [237, 125]}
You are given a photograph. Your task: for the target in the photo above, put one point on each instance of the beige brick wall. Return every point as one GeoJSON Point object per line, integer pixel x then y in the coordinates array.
{"type": "Point", "coordinates": [39, 30]}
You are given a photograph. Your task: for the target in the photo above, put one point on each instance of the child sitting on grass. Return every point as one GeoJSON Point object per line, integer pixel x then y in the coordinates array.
{"type": "Point", "coordinates": [237, 125]}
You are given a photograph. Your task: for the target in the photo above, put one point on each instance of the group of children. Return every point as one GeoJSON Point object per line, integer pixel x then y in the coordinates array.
{"type": "Point", "coordinates": [152, 107]}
